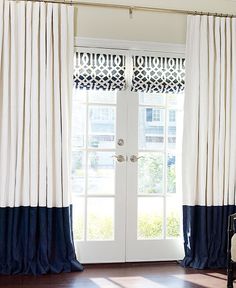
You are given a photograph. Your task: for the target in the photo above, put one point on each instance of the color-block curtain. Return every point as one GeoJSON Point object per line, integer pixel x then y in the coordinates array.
{"type": "Point", "coordinates": [36, 68]}
{"type": "Point", "coordinates": [209, 140]}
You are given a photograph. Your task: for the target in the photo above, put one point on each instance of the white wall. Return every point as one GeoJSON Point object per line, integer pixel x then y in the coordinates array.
{"type": "Point", "coordinates": [144, 26]}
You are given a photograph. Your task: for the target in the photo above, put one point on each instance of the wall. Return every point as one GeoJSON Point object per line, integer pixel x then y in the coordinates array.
{"type": "Point", "coordinates": [144, 26]}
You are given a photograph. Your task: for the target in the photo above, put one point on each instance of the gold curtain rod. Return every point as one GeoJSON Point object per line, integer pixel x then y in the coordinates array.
{"type": "Point", "coordinates": [131, 9]}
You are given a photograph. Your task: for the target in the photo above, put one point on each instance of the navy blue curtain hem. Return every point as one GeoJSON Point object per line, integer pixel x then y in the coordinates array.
{"type": "Point", "coordinates": [37, 240]}
{"type": "Point", "coordinates": [205, 236]}
{"type": "Point", "coordinates": [36, 269]}
{"type": "Point", "coordinates": [203, 263]}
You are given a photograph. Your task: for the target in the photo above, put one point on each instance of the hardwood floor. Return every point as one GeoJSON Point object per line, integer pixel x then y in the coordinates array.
{"type": "Point", "coordinates": [158, 275]}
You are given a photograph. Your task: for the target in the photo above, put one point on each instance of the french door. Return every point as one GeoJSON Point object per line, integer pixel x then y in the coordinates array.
{"type": "Point", "coordinates": [153, 230]}
{"type": "Point", "coordinates": [99, 176]}
{"type": "Point", "coordinates": [126, 171]}
{"type": "Point", "coordinates": [126, 194]}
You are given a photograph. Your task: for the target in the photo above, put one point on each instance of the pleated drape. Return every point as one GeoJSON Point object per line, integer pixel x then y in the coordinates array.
{"type": "Point", "coordinates": [209, 140]}
{"type": "Point", "coordinates": [36, 75]}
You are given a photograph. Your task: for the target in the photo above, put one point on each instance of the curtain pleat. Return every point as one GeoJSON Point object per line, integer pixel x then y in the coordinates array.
{"type": "Point", "coordinates": [27, 103]}
{"type": "Point", "coordinates": [13, 103]}
{"type": "Point", "coordinates": [34, 108]}
{"type": "Point", "coordinates": [42, 108]}
{"type": "Point", "coordinates": [49, 103]}
{"type": "Point", "coordinates": [210, 135]}
{"type": "Point", "coordinates": [67, 61]}
{"type": "Point", "coordinates": [20, 54]}
{"type": "Point", "coordinates": [232, 131]}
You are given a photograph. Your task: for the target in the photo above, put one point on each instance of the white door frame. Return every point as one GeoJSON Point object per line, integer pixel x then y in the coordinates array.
{"type": "Point", "coordinates": [102, 43]}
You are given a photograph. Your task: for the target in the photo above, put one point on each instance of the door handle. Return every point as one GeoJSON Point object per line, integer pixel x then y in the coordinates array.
{"type": "Point", "coordinates": [119, 158]}
{"type": "Point", "coordinates": [134, 158]}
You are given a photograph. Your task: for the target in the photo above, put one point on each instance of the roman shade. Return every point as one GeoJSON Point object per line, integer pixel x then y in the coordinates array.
{"type": "Point", "coordinates": [158, 74]}
{"type": "Point", "coordinates": [99, 71]}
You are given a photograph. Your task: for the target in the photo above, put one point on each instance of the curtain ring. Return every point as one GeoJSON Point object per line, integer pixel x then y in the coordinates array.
{"type": "Point", "coordinates": [131, 12]}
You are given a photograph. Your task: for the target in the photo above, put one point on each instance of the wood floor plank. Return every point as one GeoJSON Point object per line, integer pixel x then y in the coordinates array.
{"type": "Point", "coordinates": [154, 275]}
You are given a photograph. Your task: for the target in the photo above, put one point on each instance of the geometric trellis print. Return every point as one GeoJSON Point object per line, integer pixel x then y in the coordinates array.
{"type": "Point", "coordinates": [158, 74]}
{"type": "Point", "coordinates": [99, 71]}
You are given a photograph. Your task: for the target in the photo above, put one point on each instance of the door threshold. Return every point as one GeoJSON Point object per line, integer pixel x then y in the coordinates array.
{"type": "Point", "coordinates": [130, 264]}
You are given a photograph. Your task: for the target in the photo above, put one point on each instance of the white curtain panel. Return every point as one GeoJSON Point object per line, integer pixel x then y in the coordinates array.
{"type": "Point", "coordinates": [36, 69]}
{"type": "Point", "coordinates": [209, 141]}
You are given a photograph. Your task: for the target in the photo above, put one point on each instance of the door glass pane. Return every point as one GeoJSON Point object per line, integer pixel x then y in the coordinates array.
{"type": "Point", "coordinates": [79, 96]}
{"type": "Point", "coordinates": [175, 125]}
{"type": "Point", "coordinates": [171, 173]}
{"type": "Point", "coordinates": [173, 214]}
{"type": "Point", "coordinates": [151, 128]}
{"type": "Point", "coordinates": [152, 99]}
{"type": "Point", "coordinates": [100, 217]}
{"type": "Point", "coordinates": [150, 218]}
{"type": "Point", "coordinates": [102, 126]}
{"type": "Point", "coordinates": [171, 129]}
{"type": "Point", "coordinates": [150, 173]}
{"type": "Point", "coordinates": [78, 172]}
{"type": "Point", "coordinates": [105, 97]}
{"type": "Point", "coordinates": [175, 100]}
{"type": "Point", "coordinates": [78, 218]}
{"type": "Point", "coordinates": [101, 173]}
{"type": "Point", "coordinates": [78, 125]}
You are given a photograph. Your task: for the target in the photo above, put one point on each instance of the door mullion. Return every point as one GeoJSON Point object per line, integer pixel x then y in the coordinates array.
{"type": "Point", "coordinates": [132, 170]}
{"type": "Point", "coordinates": [121, 172]}
{"type": "Point", "coordinates": [86, 169]}
{"type": "Point", "coordinates": [165, 169]}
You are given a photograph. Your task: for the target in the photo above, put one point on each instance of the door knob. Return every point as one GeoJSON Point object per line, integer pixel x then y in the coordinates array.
{"type": "Point", "coordinates": [121, 142]}
{"type": "Point", "coordinates": [119, 158]}
{"type": "Point", "coordinates": [134, 158]}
